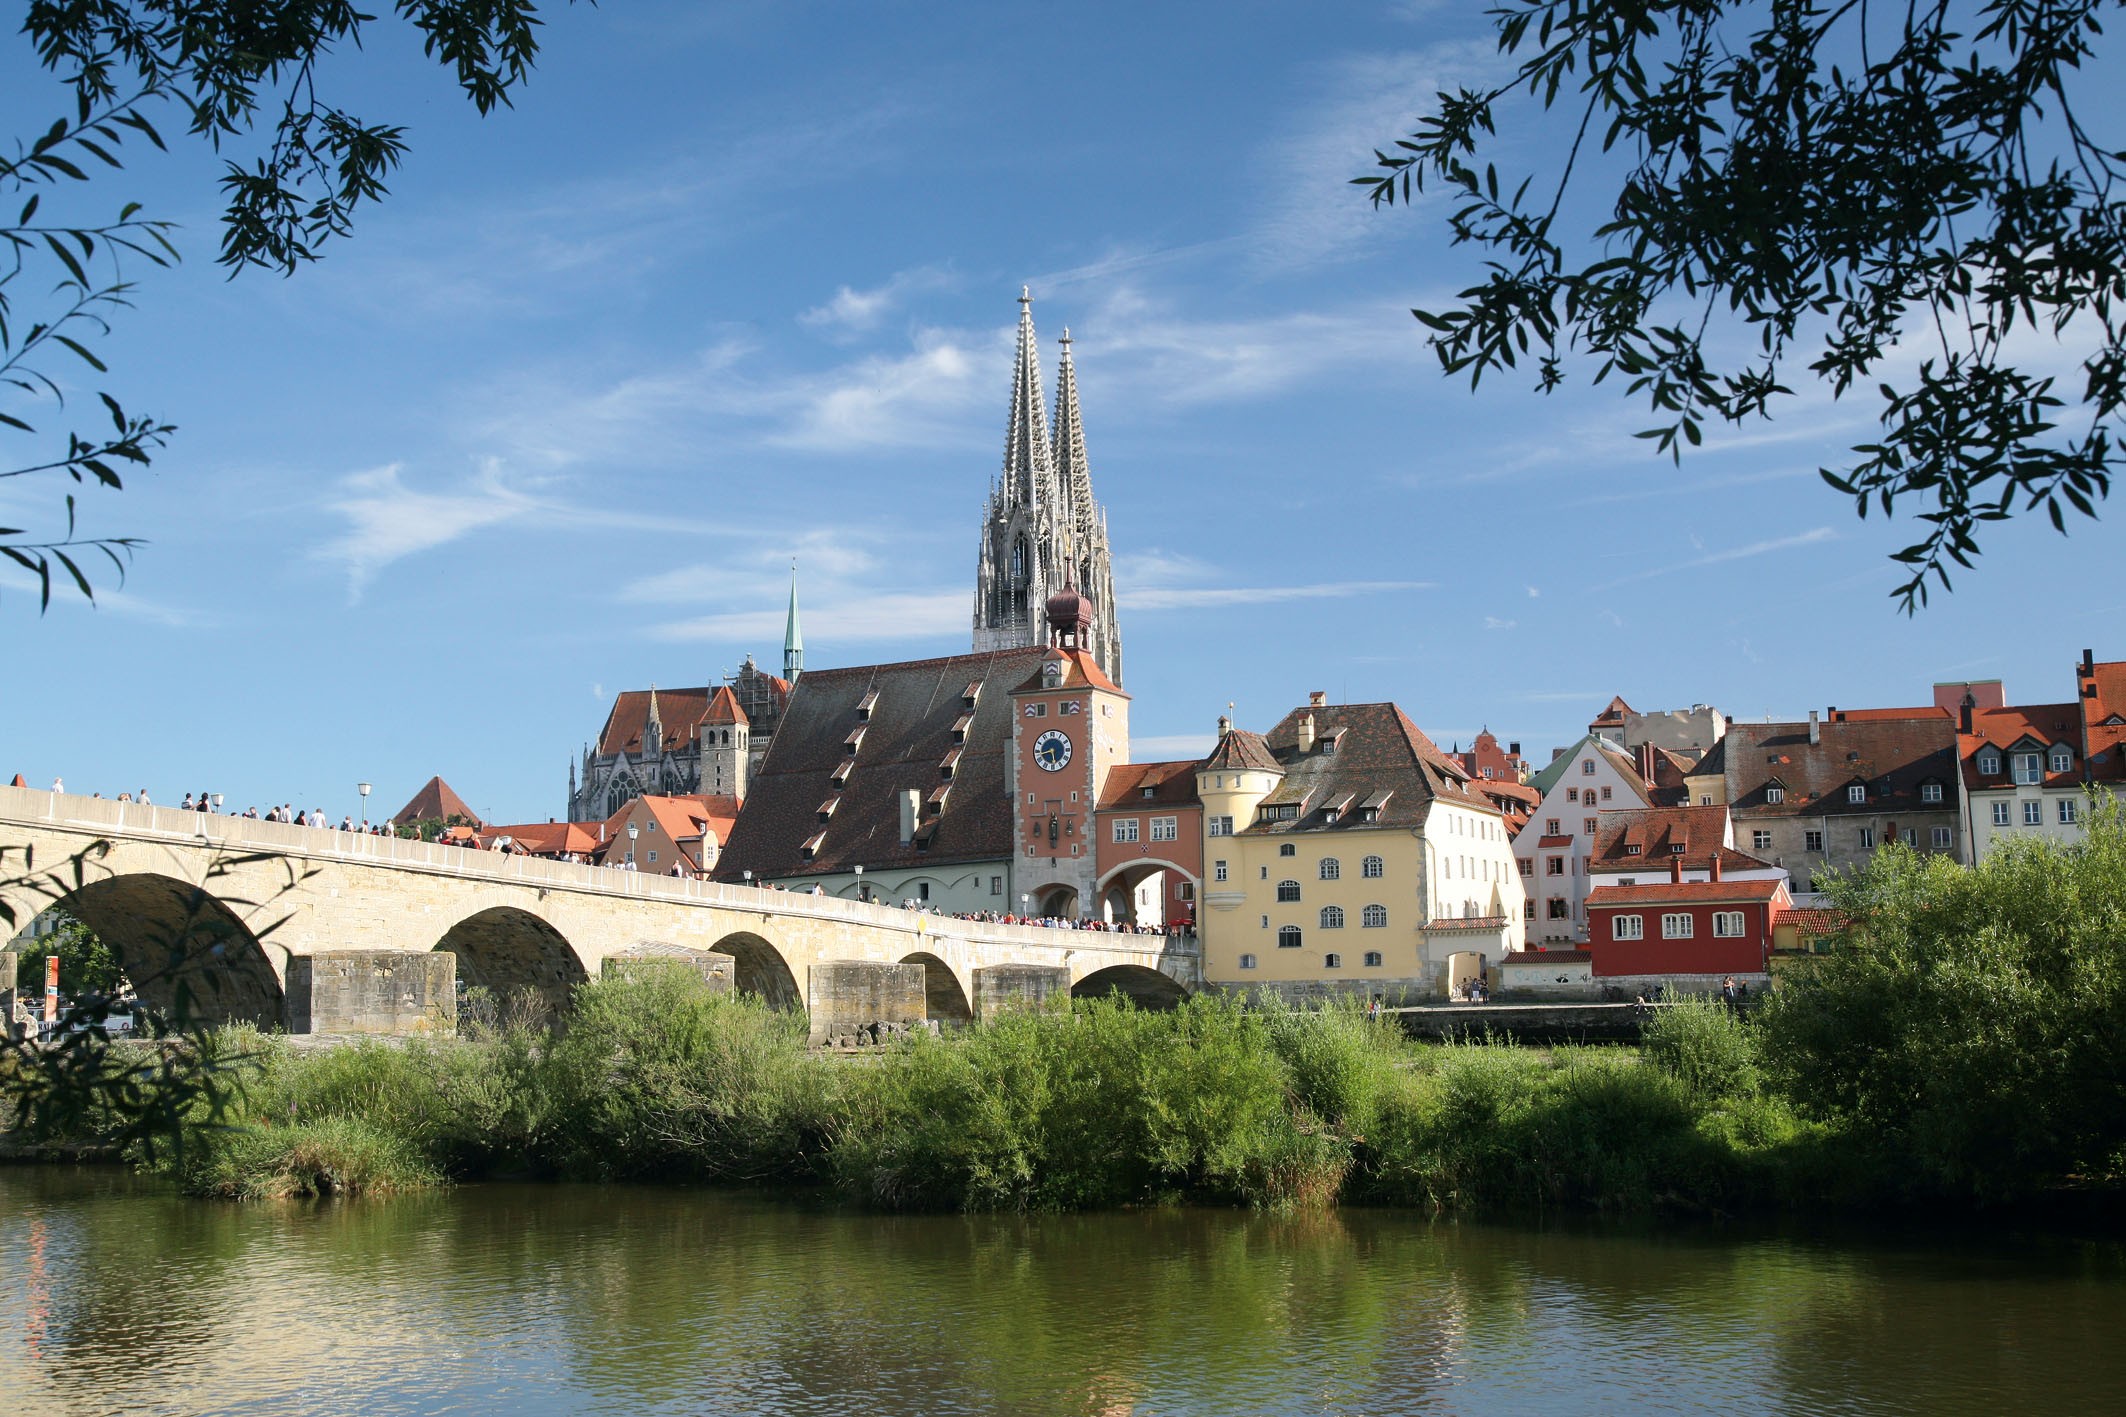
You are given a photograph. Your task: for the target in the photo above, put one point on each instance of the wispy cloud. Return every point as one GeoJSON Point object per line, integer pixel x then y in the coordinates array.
{"type": "Point", "coordinates": [853, 311]}
{"type": "Point", "coordinates": [1493, 622]}
{"type": "Point", "coordinates": [388, 520]}
{"type": "Point", "coordinates": [1717, 558]}
{"type": "Point", "coordinates": [1159, 579]}
{"type": "Point", "coordinates": [855, 615]}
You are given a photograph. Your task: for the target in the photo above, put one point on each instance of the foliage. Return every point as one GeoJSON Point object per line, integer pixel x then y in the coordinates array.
{"type": "Point", "coordinates": [86, 964]}
{"type": "Point", "coordinates": [1972, 1029]}
{"type": "Point", "coordinates": [1841, 175]}
{"type": "Point", "coordinates": [1705, 1046]}
{"type": "Point", "coordinates": [228, 71]}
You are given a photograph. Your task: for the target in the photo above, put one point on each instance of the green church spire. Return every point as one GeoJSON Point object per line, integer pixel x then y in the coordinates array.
{"type": "Point", "coordinates": [793, 639]}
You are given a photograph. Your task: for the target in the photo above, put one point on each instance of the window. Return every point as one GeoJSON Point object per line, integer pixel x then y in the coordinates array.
{"type": "Point", "coordinates": [2062, 760]}
{"type": "Point", "coordinates": [1550, 827]}
{"type": "Point", "coordinates": [1374, 917]}
{"type": "Point", "coordinates": [1628, 927]}
{"type": "Point", "coordinates": [1287, 890]}
{"type": "Point", "coordinates": [653, 858]}
{"type": "Point", "coordinates": [1760, 839]}
{"type": "Point", "coordinates": [1867, 838]}
{"type": "Point", "coordinates": [1332, 917]}
{"type": "Point", "coordinates": [1930, 792]}
{"type": "Point", "coordinates": [1677, 926]}
{"type": "Point", "coordinates": [2000, 814]}
{"type": "Point", "coordinates": [1587, 767]}
{"type": "Point", "coordinates": [1588, 826]}
{"type": "Point", "coordinates": [1572, 794]}
{"type": "Point", "coordinates": [1287, 849]}
{"type": "Point", "coordinates": [2025, 767]}
{"type": "Point", "coordinates": [1812, 841]}
{"type": "Point", "coordinates": [996, 885]}
{"type": "Point", "coordinates": [2033, 813]}
{"type": "Point", "coordinates": [1247, 961]}
{"type": "Point", "coordinates": [1166, 828]}
{"type": "Point", "coordinates": [1217, 870]}
{"type": "Point", "coordinates": [1553, 865]}
{"type": "Point", "coordinates": [1331, 869]}
{"type": "Point", "coordinates": [1941, 838]}
{"type": "Point", "coordinates": [1332, 961]}
{"type": "Point", "coordinates": [1775, 795]}
{"type": "Point", "coordinates": [1372, 868]}
{"type": "Point", "coordinates": [1989, 763]}
{"type": "Point", "coordinates": [1221, 826]}
{"type": "Point", "coordinates": [1527, 866]}
{"type": "Point", "coordinates": [1288, 937]}
{"type": "Point", "coordinates": [922, 890]}
{"type": "Point", "coordinates": [1605, 794]}
{"type": "Point", "coordinates": [1557, 909]}
{"type": "Point", "coordinates": [1528, 909]}
{"type": "Point", "coordinates": [2069, 812]}
{"type": "Point", "coordinates": [1727, 924]}
{"type": "Point", "coordinates": [1373, 959]}
{"type": "Point", "coordinates": [1856, 794]}
{"type": "Point", "coordinates": [1125, 829]}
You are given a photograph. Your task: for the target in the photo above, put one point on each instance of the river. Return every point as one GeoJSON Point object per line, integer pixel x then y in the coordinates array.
{"type": "Point", "coordinates": [118, 1296]}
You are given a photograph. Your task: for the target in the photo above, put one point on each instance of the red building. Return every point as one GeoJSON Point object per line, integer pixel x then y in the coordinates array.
{"type": "Point", "coordinates": [1684, 927]}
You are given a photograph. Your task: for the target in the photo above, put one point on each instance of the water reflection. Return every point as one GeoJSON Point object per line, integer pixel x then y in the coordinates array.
{"type": "Point", "coordinates": [564, 1299]}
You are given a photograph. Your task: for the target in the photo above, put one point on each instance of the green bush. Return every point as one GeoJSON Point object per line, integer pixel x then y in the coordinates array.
{"type": "Point", "coordinates": [1709, 1048]}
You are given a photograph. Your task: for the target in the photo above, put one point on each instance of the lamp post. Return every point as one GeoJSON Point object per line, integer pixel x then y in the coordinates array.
{"type": "Point", "coordinates": [634, 830]}
{"type": "Point", "coordinates": [749, 876]}
{"type": "Point", "coordinates": [361, 787]}
{"type": "Point", "coordinates": [217, 801]}
{"type": "Point", "coordinates": [1025, 907]}
{"type": "Point", "coordinates": [860, 882]}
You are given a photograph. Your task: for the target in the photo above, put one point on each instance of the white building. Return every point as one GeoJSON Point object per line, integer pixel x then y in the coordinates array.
{"type": "Point", "coordinates": [1554, 850]}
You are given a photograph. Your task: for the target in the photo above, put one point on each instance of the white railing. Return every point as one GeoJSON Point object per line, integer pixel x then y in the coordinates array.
{"type": "Point", "coordinates": [103, 816]}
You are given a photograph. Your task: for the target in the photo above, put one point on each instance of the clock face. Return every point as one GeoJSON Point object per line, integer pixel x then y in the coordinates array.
{"type": "Point", "coordinates": [1051, 751]}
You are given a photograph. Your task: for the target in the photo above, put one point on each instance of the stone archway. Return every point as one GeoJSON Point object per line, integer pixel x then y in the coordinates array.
{"type": "Point", "coordinates": [185, 952]}
{"type": "Point", "coordinates": [762, 970]}
{"type": "Point", "coordinates": [944, 1000]}
{"type": "Point", "coordinates": [1146, 988]}
{"type": "Point", "coordinates": [1056, 902]}
{"type": "Point", "coordinates": [504, 949]}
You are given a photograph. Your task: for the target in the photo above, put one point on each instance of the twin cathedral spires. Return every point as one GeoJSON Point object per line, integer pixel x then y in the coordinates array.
{"type": "Point", "coordinates": [1042, 530]}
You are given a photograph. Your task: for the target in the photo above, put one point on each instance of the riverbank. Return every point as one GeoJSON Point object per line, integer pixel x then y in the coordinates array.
{"type": "Point", "coordinates": [657, 1079]}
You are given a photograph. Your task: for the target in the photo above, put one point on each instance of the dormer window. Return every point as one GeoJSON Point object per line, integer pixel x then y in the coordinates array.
{"type": "Point", "coordinates": [960, 726]}
{"type": "Point", "coordinates": [1930, 792]}
{"type": "Point", "coordinates": [1151, 792]}
{"type": "Point", "coordinates": [972, 692]}
{"type": "Point", "coordinates": [2024, 767]}
{"type": "Point", "coordinates": [864, 706]}
{"type": "Point", "coordinates": [1631, 851]}
{"type": "Point", "coordinates": [1856, 794]}
{"type": "Point", "coordinates": [2062, 760]}
{"type": "Point", "coordinates": [1989, 763]}
{"type": "Point", "coordinates": [1775, 794]}
{"type": "Point", "coordinates": [1675, 848]}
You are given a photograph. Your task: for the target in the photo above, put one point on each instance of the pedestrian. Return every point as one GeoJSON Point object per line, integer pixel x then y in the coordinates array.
{"type": "Point", "coordinates": [142, 798]}
{"type": "Point", "coordinates": [57, 787]}
{"type": "Point", "coordinates": [186, 805]}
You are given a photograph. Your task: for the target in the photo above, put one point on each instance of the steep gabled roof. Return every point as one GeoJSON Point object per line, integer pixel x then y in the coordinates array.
{"type": "Point", "coordinates": [435, 802]}
{"type": "Point", "coordinates": [1170, 785]}
{"type": "Point", "coordinates": [1238, 748]}
{"type": "Point", "coordinates": [1891, 757]}
{"type": "Point", "coordinates": [1657, 831]}
{"type": "Point", "coordinates": [1617, 758]}
{"type": "Point", "coordinates": [1360, 753]}
{"type": "Point", "coordinates": [907, 735]}
{"type": "Point", "coordinates": [2044, 725]}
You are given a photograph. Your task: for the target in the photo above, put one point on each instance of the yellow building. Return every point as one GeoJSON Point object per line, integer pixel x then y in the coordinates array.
{"type": "Point", "coordinates": [1345, 853]}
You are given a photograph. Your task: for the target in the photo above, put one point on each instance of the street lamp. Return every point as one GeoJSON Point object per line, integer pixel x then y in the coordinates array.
{"type": "Point", "coordinates": [860, 882]}
{"type": "Point", "coordinates": [1025, 906]}
{"type": "Point", "coordinates": [217, 801]}
{"type": "Point", "coordinates": [749, 876]}
{"type": "Point", "coordinates": [634, 830]}
{"type": "Point", "coordinates": [361, 787]}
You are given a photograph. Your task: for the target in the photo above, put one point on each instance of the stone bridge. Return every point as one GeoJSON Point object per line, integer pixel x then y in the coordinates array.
{"type": "Point", "coordinates": [306, 927]}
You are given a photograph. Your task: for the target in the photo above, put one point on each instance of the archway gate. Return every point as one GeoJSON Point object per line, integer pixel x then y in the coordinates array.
{"type": "Point", "coordinates": [310, 893]}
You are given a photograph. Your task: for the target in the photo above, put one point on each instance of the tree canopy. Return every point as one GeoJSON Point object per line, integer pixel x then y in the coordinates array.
{"type": "Point", "coordinates": [1893, 194]}
{"type": "Point", "coordinates": [242, 76]}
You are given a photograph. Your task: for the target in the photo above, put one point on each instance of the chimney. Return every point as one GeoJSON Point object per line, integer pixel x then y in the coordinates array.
{"type": "Point", "coordinates": [1965, 711]}
{"type": "Point", "coordinates": [1675, 869]}
{"type": "Point", "coordinates": [1646, 762]}
{"type": "Point", "coordinates": [2088, 662]}
{"type": "Point", "coordinates": [1225, 725]}
{"type": "Point", "coordinates": [1318, 699]}
{"type": "Point", "coordinates": [1514, 748]}
{"type": "Point", "coordinates": [1716, 864]}
{"type": "Point", "coordinates": [1815, 729]}
{"type": "Point", "coordinates": [911, 806]}
{"type": "Point", "coordinates": [1306, 732]}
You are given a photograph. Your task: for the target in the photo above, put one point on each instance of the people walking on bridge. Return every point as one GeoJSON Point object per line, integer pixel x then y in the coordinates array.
{"type": "Point", "coordinates": [57, 787]}
{"type": "Point", "coordinates": [142, 798]}
{"type": "Point", "coordinates": [186, 805]}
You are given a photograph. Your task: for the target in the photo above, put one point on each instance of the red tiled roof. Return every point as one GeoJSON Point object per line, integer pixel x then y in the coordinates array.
{"type": "Point", "coordinates": [2003, 728]}
{"type": "Point", "coordinates": [681, 712]}
{"type": "Point", "coordinates": [1687, 893]}
{"type": "Point", "coordinates": [2103, 698]}
{"type": "Point", "coordinates": [1084, 672]}
{"type": "Point", "coordinates": [724, 707]}
{"type": "Point", "coordinates": [1885, 715]}
{"type": "Point", "coordinates": [1615, 713]}
{"type": "Point", "coordinates": [1546, 842]}
{"type": "Point", "coordinates": [1656, 831]}
{"type": "Point", "coordinates": [1891, 757]}
{"type": "Point", "coordinates": [544, 838]}
{"type": "Point", "coordinates": [1238, 748]}
{"type": "Point", "coordinates": [1171, 783]}
{"type": "Point", "coordinates": [435, 802]}
{"type": "Point", "coordinates": [1371, 752]}
{"type": "Point", "coordinates": [1812, 922]}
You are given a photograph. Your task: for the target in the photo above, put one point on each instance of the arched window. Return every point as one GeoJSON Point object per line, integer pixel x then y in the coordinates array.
{"type": "Point", "coordinates": [1373, 960]}
{"type": "Point", "coordinates": [1372, 868]}
{"type": "Point", "coordinates": [617, 795]}
{"type": "Point", "coordinates": [1332, 961]}
{"type": "Point", "coordinates": [1288, 890]}
{"type": "Point", "coordinates": [1374, 917]}
{"type": "Point", "coordinates": [1331, 869]}
{"type": "Point", "coordinates": [1288, 937]}
{"type": "Point", "coordinates": [1332, 917]}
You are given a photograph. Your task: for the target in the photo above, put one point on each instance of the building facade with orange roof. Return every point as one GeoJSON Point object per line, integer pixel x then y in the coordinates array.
{"type": "Point", "coordinates": [1553, 851]}
{"type": "Point", "coordinates": [1148, 844]}
{"type": "Point", "coordinates": [656, 833]}
{"type": "Point", "coordinates": [1635, 846]}
{"type": "Point", "coordinates": [2028, 770]}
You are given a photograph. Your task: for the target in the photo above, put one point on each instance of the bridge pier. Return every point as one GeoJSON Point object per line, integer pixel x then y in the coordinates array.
{"type": "Point", "coordinates": [373, 992]}
{"type": "Point", "coordinates": [844, 995]}
{"type": "Point", "coordinates": [718, 971]}
{"type": "Point", "coordinates": [1000, 986]}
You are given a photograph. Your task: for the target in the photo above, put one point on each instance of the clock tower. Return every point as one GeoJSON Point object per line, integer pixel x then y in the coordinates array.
{"type": "Point", "coordinates": [1070, 725]}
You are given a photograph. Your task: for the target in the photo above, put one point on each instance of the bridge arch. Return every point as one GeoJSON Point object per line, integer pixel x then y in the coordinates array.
{"type": "Point", "coordinates": [761, 969]}
{"type": "Point", "coordinates": [945, 1000]}
{"type": "Point", "coordinates": [187, 955]}
{"type": "Point", "coordinates": [505, 949]}
{"type": "Point", "coordinates": [1145, 987]}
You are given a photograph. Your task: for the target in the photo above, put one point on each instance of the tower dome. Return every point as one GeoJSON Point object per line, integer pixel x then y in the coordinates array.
{"type": "Point", "coordinates": [1070, 616]}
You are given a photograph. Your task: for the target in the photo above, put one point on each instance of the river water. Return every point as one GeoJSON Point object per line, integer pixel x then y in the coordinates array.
{"type": "Point", "coordinates": [117, 1296]}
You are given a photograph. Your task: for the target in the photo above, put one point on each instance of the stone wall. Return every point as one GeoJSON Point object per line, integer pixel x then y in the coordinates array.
{"type": "Point", "coordinates": [1003, 986]}
{"type": "Point", "coordinates": [373, 991]}
{"type": "Point", "coordinates": [718, 971]}
{"type": "Point", "coordinates": [850, 996]}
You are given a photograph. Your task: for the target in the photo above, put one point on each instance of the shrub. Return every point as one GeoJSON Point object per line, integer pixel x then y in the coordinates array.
{"type": "Point", "coordinates": [1706, 1046]}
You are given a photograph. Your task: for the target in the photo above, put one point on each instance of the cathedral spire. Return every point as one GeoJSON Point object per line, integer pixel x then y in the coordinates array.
{"type": "Point", "coordinates": [793, 638]}
{"type": "Point", "coordinates": [1029, 472]}
{"type": "Point", "coordinates": [1072, 471]}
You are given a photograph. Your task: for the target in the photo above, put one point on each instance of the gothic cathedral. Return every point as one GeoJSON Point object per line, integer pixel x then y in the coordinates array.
{"type": "Point", "coordinates": [1042, 532]}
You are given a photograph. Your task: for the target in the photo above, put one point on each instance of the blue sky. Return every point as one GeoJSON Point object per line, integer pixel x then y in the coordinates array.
{"type": "Point", "coordinates": [735, 283]}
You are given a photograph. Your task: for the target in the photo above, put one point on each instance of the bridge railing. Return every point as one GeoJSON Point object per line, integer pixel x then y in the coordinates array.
{"type": "Point", "coordinates": [103, 816]}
